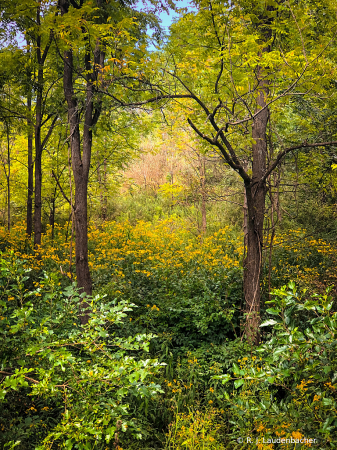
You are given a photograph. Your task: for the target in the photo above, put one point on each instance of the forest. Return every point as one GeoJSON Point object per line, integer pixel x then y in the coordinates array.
{"type": "Point", "coordinates": [168, 225]}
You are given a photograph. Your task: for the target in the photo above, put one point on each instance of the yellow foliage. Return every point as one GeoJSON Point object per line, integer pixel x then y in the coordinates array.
{"type": "Point", "coordinates": [195, 431]}
{"type": "Point", "coordinates": [161, 247]}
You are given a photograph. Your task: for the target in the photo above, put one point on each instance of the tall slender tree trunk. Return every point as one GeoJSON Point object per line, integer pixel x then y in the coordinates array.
{"type": "Point", "coordinates": [38, 145]}
{"type": "Point", "coordinates": [30, 186]}
{"type": "Point", "coordinates": [80, 160]}
{"type": "Point", "coordinates": [52, 213]}
{"type": "Point", "coordinates": [38, 167]}
{"type": "Point", "coordinates": [81, 236]}
{"type": "Point", "coordinates": [245, 210]}
{"type": "Point", "coordinates": [8, 179]}
{"type": "Point", "coordinates": [256, 195]}
{"type": "Point", "coordinates": [80, 167]}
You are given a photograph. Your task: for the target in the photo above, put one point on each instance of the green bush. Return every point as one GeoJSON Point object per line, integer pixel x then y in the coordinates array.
{"type": "Point", "coordinates": [63, 383]}
{"type": "Point", "coordinates": [287, 387]}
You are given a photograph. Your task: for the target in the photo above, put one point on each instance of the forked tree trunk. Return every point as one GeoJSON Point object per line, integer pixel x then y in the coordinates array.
{"type": "Point", "coordinates": [80, 160]}
{"type": "Point", "coordinates": [80, 167]}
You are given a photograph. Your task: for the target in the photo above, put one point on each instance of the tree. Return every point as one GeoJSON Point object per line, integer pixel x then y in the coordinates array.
{"type": "Point", "coordinates": [32, 18]}
{"type": "Point", "coordinates": [5, 155]}
{"type": "Point", "coordinates": [12, 113]}
{"type": "Point", "coordinates": [239, 68]}
{"type": "Point", "coordinates": [41, 56]}
{"type": "Point", "coordinates": [88, 35]}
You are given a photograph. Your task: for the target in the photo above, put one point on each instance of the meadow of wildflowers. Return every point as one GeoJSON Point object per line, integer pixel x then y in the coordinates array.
{"type": "Point", "coordinates": [162, 355]}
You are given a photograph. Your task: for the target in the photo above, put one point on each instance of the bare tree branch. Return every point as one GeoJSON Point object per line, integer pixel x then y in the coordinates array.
{"type": "Point", "coordinates": [282, 154]}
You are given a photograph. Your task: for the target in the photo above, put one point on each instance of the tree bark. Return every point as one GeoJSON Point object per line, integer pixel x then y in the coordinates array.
{"type": "Point", "coordinates": [52, 212]}
{"type": "Point", "coordinates": [80, 167]}
{"type": "Point", "coordinates": [245, 211]}
{"type": "Point", "coordinates": [38, 146]}
{"type": "Point", "coordinates": [30, 185]}
{"type": "Point", "coordinates": [8, 179]}
{"type": "Point", "coordinates": [80, 161]}
{"type": "Point", "coordinates": [38, 168]}
{"type": "Point", "coordinates": [256, 195]}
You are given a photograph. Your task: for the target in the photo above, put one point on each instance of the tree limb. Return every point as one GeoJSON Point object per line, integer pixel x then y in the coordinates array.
{"type": "Point", "coordinates": [61, 189]}
{"type": "Point", "coordinates": [282, 154]}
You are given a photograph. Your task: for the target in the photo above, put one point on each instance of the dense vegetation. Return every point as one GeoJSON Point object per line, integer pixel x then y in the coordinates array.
{"type": "Point", "coordinates": [168, 225]}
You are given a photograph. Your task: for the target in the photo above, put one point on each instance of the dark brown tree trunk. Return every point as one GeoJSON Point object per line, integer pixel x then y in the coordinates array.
{"type": "Point", "coordinates": [30, 186]}
{"type": "Point", "coordinates": [245, 211]}
{"type": "Point", "coordinates": [8, 179]}
{"type": "Point", "coordinates": [256, 195]}
{"type": "Point", "coordinates": [52, 216]}
{"type": "Point", "coordinates": [52, 213]}
{"type": "Point", "coordinates": [80, 161]}
{"type": "Point", "coordinates": [99, 178]}
{"type": "Point", "coordinates": [81, 236]}
{"type": "Point", "coordinates": [38, 146]}
{"type": "Point", "coordinates": [80, 166]}
{"type": "Point", "coordinates": [38, 167]}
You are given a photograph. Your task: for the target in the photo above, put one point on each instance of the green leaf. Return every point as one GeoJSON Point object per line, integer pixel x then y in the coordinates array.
{"type": "Point", "coordinates": [268, 323]}
{"type": "Point", "coordinates": [238, 383]}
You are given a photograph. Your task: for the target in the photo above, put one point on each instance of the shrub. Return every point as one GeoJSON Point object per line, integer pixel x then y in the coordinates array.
{"type": "Point", "coordinates": [287, 387]}
{"type": "Point", "coordinates": [64, 383]}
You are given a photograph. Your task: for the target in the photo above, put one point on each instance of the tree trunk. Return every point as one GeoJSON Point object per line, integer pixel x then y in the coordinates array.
{"type": "Point", "coordinates": [30, 186]}
{"type": "Point", "coordinates": [245, 210]}
{"type": "Point", "coordinates": [38, 175]}
{"type": "Point", "coordinates": [52, 213]}
{"type": "Point", "coordinates": [80, 166]}
{"type": "Point", "coordinates": [253, 260]}
{"type": "Point", "coordinates": [256, 194]}
{"type": "Point", "coordinates": [8, 180]}
{"type": "Point", "coordinates": [81, 237]}
{"type": "Point", "coordinates": [80, 161]}
{"type": "Point", "coordinates": [38, 146]}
